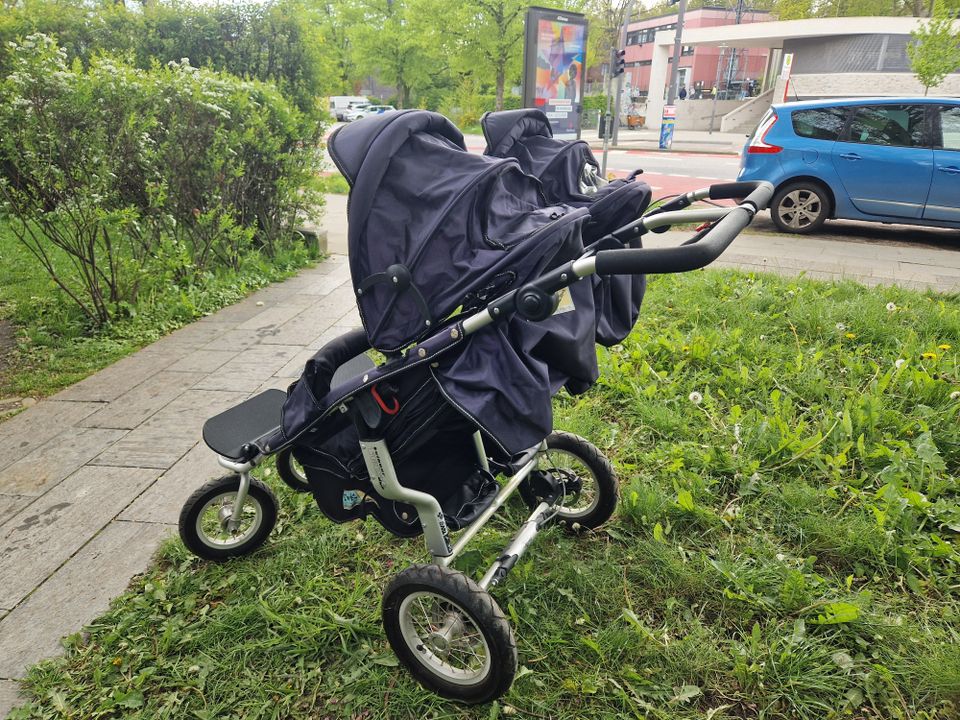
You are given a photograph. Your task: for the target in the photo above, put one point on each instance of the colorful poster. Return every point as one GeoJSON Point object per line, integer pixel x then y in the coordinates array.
{"type": "Point", "coordinates": [555, 54]}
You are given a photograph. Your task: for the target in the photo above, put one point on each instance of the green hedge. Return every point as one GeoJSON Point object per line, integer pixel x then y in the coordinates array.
{"type": "Point", "coordinates": [119, 178]}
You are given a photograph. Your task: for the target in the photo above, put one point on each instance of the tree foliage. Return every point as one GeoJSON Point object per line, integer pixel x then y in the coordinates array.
{"type": "Point", "coordinates": [935, 50]}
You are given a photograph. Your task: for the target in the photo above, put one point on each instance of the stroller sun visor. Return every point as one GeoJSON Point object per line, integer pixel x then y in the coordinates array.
{"type": "Point", "coordinates": [434, 228]}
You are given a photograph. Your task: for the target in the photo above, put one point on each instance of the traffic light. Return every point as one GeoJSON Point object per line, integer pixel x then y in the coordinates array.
{"type": "Point", "coordinates": [618, 63]}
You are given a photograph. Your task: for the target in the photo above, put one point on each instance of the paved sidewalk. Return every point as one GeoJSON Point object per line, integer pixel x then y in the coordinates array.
{"type": "Point", "coordinates": [696, 141]}
{"type": "Point", "coordinates": [94, 477]}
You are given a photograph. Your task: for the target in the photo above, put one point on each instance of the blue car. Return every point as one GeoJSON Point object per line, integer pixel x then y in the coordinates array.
{"type": "Point", "coordinates": [890, 160]}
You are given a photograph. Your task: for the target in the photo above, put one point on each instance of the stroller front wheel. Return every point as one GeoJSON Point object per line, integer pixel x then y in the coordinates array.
{"type": "Point", "coordinates": [450, 634]}
{"type": "Point", "coordinates": [208, 528]}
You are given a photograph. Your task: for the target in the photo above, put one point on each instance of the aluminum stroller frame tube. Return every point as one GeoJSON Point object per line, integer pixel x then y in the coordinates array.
{"type": "Point", "coordinates": [243, 470]}
{"type": "Point", "coordinates": [383, 475]}
{"type": "Point", "coordinates": [477, 525]}
{"type": "Point", "coordinates": [521, 541]}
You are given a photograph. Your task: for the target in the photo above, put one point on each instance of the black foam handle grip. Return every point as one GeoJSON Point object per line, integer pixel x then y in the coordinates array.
{"type": "Point", "coordinates": [683, 258]}
{"type": "Point", "coordinates": [732, 190]}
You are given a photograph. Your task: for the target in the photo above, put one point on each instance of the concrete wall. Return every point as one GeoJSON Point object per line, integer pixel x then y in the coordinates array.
{"type": "Point", "coordinates": [811, 86]}
{"type": "Point", "coordinates": [745, 117]}
{"type": "Point", "coordinates": [695, 114]}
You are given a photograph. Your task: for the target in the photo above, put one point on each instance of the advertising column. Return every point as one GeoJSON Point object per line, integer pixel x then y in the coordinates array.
{"type": "Point", "coordinates": [554, 67]}
{"type": "Point", "coordinates": [666, 126]}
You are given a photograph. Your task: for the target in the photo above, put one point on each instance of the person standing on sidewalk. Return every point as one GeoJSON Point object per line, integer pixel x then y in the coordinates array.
{"type": "Point", "coordinates": [683, 92]}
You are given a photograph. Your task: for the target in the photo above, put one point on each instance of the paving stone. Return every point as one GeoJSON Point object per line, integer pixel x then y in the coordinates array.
{"type": "Point", "coordinates": [124, 375]}
{"type": "Point", "coordinates": [203, 361]}
{"type": "Point", "coordinates": [9, 697]}
{"type": "Point", "coordinates": [161, 502]}
{"type": "Point", "coordinates": [234, 314]}
{"type": "Point", "coordinates": [294, 368]}
{"type": "Point", "coordinates": [303, 327]}
{"type": "Point", "coordinates": [37, 540]}
{"type": "Point", "coordinates": [24, 433]}
{"type": "Point", "coordinates": [274, 383]}
{"type": "Point", "coordinates": [334, 331]}
{"type": "Point", "coordinates": [46, 466]}
{"type": "Point", "coordinates": [194, 335]}
{"type": "Point", "coordinates": [10, 505]}
{"type": "Point", "coordinates": [138, 404]}
{"type": "Point", "coordinates": [170, 433]}
{"type": "Point", "coordinates": [236, 340]}
{"type": "Point", "coordinates": [323, 285]}
{"type": "Point", "coordinates": [68, 599]}
{"type": "Point", "coordinates": [271, 318]}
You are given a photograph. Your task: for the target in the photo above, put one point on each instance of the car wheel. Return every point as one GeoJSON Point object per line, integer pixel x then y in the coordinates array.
{"type": "Point", "coordinates": [800, 207]}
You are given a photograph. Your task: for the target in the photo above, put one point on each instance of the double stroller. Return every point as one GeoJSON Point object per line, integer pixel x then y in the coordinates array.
{"type": "Point", "coordinates": [484, 283]}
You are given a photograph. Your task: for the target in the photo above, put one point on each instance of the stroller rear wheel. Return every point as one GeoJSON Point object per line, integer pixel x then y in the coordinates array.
{"type": "Point", "coordinates": [449, 633]}
{"type": "Point", "coordinates": [590, 485]}
{"type": "Point", "coordinates": [291, 472]}
{"type": "Point", "coordinates": [208, 528]}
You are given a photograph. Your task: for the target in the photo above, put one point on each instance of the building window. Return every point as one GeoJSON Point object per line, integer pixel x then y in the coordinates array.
{"type": "Point", "coordinates": [686, 50]}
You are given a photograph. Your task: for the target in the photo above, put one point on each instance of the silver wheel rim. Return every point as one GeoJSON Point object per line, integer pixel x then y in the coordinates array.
{"type": "Point", "coordinates": [213, 520]}
{"type": "Point", "coordinates": [296, 469]}
{"type": "Point", "coordinates": [800, 209]}
{"type": "Point", "coordinates": [564, 464]}
{"type": "Point", "coordinates": [444, 638]}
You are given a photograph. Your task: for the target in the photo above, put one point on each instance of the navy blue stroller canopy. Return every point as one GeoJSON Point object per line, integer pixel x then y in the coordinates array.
{"type": "Point", "coordinates": [570, 174]}
{"type": "Point", "coordinates": [435, 232]}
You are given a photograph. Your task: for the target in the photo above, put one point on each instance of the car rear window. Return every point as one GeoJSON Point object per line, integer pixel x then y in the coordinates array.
{"type": "Point", "coordinates": [819, 123]}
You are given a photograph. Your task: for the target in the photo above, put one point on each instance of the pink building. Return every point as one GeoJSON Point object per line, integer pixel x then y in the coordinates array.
{"type": "Point", "coordinates": [698, 65]}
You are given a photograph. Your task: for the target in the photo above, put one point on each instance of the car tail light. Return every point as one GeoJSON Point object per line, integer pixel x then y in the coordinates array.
{"type": "Point", "coordinates": [758, 143]}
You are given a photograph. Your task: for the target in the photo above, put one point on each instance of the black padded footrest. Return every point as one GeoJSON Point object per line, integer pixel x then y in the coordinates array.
{"type": "Point", "coordinates": [228, 433]}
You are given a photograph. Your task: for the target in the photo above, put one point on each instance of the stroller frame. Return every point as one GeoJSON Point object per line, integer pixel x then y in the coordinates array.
{"type": "Point", "coordinates": [534, 302]}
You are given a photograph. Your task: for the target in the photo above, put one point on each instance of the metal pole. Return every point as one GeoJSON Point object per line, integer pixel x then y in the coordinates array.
{"type": "Point", "coordinates": [675, 70]}
{"type": "Point", "coordinates": [607, 118]}
{"type": "Point", "coordinates": [716, 89]}
{"type": "Point", "coordinates": [623, 46]}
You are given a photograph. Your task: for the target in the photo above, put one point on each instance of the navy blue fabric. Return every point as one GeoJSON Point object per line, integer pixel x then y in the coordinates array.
{"type": "Point", "coordinates": [565, 170]}
{"type": "Point", "coordinates": [468, 228]}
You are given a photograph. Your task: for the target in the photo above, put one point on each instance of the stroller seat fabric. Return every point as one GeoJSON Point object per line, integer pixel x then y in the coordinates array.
{"type": "Point", "coordinates": [570, 174]}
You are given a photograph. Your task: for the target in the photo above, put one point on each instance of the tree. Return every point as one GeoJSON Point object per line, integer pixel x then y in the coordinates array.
{"type": "Point", "coordinates": [935, 50]}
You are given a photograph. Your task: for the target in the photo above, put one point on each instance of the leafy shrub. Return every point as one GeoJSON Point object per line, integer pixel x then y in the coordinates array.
{"type": "Point", "coordinates": [118, 176]}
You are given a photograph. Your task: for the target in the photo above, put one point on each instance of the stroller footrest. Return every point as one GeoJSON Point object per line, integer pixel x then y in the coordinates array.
{"type": "Point", "coordinates": [235, 433]}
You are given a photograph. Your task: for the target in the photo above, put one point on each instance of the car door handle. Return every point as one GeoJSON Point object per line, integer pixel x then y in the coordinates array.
{"type": "Point", "coordinates": [949, 169]}
{"type": "Point", "coordinates": [849, 156]}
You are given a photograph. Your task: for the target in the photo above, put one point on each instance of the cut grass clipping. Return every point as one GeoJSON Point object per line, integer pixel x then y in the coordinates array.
{"type": "Point", "coordinates": [786, 545]}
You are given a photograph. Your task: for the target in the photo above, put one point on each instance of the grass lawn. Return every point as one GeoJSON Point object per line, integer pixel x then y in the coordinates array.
{"type": "Point", "coordinates": [55, 345]}
{"type": "Point", "coordinates": [785, 547]}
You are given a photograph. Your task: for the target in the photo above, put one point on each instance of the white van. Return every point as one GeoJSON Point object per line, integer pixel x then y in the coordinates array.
{"type": "Point", "coordinates": [339, 104]}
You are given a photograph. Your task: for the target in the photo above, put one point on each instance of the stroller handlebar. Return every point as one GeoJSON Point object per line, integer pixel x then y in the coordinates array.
{"type": "Point", "coordinates": [702, 250]}
{"type": "Point", "coordinates": [536, 300]}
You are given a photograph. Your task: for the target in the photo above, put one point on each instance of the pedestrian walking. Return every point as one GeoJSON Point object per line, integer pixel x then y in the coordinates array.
{"type": "Point", "coordinates": [683, 92]}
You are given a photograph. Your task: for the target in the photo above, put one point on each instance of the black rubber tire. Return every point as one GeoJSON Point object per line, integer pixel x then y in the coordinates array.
{"type": "Point", "coordinates": [259, 493]}
{"type": "Point", "coordinates": [802, 186]}
{"type": "Point", "coordinates": [603, 476]}
{"type": "Point", "coordinates": [288, 474]}
{"type": "Point", "coordinates": [483, 611]}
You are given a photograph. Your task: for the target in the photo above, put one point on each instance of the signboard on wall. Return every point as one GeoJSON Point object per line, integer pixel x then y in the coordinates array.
{"type": "Point", "coordinates": [554, 67]}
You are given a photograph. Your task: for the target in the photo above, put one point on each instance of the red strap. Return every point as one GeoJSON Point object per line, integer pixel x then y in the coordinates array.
{"type": "Point", "coordinates": [701, 228]}
{"type": "Point", "coordinates": [383, 406]}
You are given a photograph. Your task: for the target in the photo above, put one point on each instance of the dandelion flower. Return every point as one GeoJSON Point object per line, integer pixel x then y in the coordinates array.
{"type": "Point", "coordinates": [900, 363]}
{"type": "Point", "coordinates": [929, 356]}
{"type": "Point", "coordinates": [841, 327]}
{"type": "Point", "coordinates": [850, 335]}
{"type": "Point", "coordinates": [695, 397]}
{"type": "Point", "coordinates": [763, 337]}
{"type": "Point", "coordinates": [943, 347]}
{"type": "Point", "coordinates": [891, 307]}
{"type": "Point", "coordinates": [955, 395]}
{"type": "Point", "coordinates": [839, 415]}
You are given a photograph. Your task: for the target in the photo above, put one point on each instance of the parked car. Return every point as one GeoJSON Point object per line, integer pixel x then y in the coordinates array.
{"type": "Point", "coordinates": [355, 112]}
{"type": "Point", "coordinates": [340, 104]}
{"type": "Point", "coordinates": [891, 160]}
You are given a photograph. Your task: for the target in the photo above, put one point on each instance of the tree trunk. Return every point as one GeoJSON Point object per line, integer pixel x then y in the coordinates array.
{"type": "Point", "coordinates": [501, 79]}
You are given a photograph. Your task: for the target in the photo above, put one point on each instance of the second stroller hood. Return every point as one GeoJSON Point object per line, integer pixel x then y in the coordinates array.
{"type": "Point", "coordinates": [434, 228]}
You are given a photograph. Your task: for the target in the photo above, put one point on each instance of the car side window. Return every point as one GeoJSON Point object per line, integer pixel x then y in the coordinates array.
{"type": "Point", "coordinates": [819, 123]}
{"type": "Point", "coordinates": [950, 127]}
{"type": "Point", "coordinates": [898, 125]}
